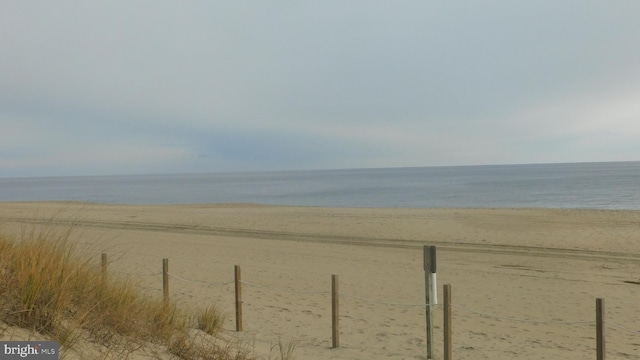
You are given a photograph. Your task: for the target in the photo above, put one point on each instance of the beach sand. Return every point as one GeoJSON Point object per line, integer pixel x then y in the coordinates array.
{"type": "Point", "coordinates": [524, 281]}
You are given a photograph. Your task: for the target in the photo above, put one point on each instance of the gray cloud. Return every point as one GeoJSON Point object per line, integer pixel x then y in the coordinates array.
{"type": "Point", "coordinates": [197, 86]}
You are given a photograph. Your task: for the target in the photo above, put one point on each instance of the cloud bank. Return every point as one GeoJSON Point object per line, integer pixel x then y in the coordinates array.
{"type": "Point", "coordinates": [160, 87]}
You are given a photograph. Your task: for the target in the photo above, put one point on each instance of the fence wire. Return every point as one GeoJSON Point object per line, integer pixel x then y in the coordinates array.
{"type": "Point", "coordinates": [203, 283]}
{"type": "Point", "coordinates": [283, 290]}
{"type": "Point", "coordinates": [346, 295]}
{"type": "Point", "coordinates": [557, 322]}
{"type": "Point", "coordinates": [383, 302]}
{"type": "Point", "coordinates": [622, 327]}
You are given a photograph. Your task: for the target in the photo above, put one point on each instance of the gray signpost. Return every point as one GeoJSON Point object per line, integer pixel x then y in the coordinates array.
{"type": "Point", "coordinates": [431, 295]}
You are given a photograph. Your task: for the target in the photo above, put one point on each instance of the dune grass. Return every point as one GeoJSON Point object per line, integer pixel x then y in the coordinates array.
{"type": "Point", "coordinates": [283, 350]}
{"type": "Point", "coordinates": [210, 320]}
{"type": "Point", "coordinates": [47, 287]}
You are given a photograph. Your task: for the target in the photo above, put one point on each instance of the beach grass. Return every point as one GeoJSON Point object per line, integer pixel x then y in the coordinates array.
{"type": "Point", "coordinates": [210, 320]}
{"type": "Point", "coordinates": [48, 287]}
{"type": "Point", "coordinates": [283, 350]}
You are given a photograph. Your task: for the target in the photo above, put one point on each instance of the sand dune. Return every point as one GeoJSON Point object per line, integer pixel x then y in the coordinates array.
{"type": "Point", "coordinates": [524, 281]}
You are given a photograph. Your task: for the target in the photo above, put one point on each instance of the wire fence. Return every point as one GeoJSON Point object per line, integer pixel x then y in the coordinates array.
{"type": "Point", "coordinates": [347, 295]}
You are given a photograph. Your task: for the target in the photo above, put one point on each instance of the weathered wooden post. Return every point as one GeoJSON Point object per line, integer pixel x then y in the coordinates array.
{"type": "Point", "coordinates": [431, 295]}
{"type": "Point", "coordinates": [600, 341]}
{"type": "Point", "coordinates": [448, 344]}
{"type": "Point", "coordinates": [335, 314]}
{"type": "Point", "coordinates": [103, 266]}
{"type": "Point", "coordinates": [238, 282]}
{"type": "Point", "coordinates": [165, 280]}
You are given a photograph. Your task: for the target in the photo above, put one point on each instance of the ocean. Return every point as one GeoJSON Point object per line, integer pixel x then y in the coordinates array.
{"type": "Point", "coordinates": [610, 185]}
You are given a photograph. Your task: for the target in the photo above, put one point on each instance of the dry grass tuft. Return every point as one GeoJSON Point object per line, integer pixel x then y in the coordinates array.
{"type": "Point", "coordinates": [47, 288]}
{"type": "Point", "coordinates": [284, 350]}
{"type": "Point", "coordinates": [210, 320]}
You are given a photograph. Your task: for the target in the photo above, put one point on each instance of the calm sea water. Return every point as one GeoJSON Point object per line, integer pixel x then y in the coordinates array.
{"type": "Point", "coordinates": [614, 185]}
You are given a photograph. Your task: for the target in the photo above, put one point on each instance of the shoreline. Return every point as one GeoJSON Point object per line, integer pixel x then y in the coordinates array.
{"type": "Point", "coordinates": [258, 204]}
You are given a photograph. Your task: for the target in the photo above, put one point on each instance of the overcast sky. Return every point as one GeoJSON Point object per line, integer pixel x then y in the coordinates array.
{"type": "Point", "coordinates": [134, 87]}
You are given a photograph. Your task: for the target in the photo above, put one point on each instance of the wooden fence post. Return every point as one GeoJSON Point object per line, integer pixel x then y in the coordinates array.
{"type": "Point", "coordinates": [600, 341]}
{"type": "Point", "coordinates": [238, 282]}
{"type": "Point", "coordinates": [335, 313]}
{"type": "Point", "coordinates": [447, 322]}
{"type": "Point", "coordinates": [103, 266]}
{"type": "Point", "coordinates": [165, 280]}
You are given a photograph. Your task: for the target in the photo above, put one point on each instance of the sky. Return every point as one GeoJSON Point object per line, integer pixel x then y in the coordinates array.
{"type": "Point", "coordinates": [146, 87]}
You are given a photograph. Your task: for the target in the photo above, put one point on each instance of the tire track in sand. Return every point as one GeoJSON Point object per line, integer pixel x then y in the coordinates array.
{"type": "Point", "coordinates": [621, 257]}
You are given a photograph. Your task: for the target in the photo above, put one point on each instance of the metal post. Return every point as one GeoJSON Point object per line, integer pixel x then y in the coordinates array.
{"type": "Point", "coordinates": [429, 254]}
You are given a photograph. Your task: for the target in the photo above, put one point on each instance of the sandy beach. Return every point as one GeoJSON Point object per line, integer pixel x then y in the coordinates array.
{"type": "Point", "coordinates": [524, 281]}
